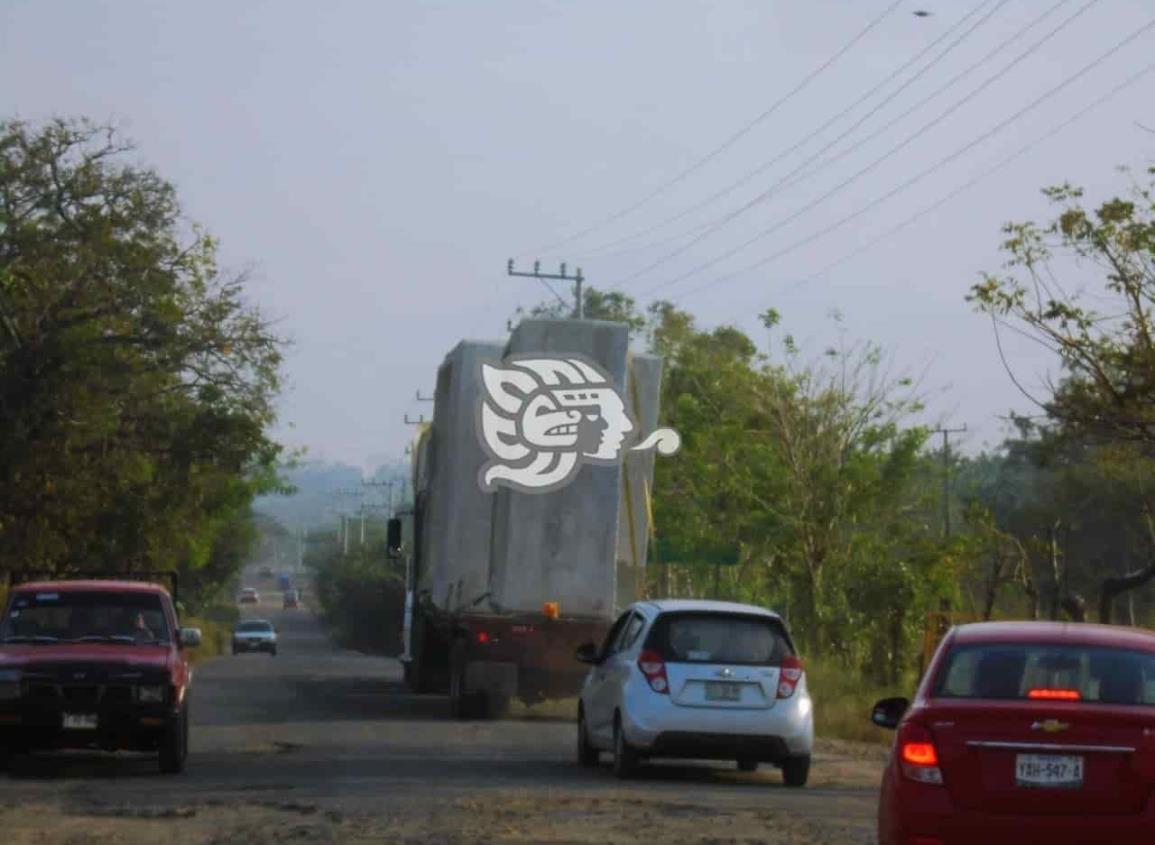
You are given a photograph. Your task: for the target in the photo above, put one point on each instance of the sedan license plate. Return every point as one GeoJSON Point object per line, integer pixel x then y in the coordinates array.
{"type": "Point", "coordinates": [1048, 770]}
{"type": "Point", "coordinates": [80, 721]}
{"type": "Point", "coordinates": [723, 691]}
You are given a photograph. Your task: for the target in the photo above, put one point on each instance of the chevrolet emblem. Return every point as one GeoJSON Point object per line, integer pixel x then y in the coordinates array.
{"type": "Point", "coordinates": [1051, 726]}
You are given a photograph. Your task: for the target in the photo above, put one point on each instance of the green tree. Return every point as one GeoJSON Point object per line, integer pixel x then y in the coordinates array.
{"type": "Point", "coordinates": [137, 385]}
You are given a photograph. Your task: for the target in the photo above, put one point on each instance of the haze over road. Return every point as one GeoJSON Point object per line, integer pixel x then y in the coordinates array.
{"type": "Point", "coordinates": [331, 745]}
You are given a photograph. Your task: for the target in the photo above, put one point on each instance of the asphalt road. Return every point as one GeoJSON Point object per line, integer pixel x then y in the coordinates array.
{"type": "Point", "coordinates": [336, 732]}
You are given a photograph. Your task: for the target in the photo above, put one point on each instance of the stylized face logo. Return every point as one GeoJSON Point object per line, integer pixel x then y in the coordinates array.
{"type": "Point", "coordinates": [541, 418]}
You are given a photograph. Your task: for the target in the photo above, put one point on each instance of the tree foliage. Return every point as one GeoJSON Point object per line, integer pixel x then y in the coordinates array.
{"type": "Point", "coordinates": [136, 384]}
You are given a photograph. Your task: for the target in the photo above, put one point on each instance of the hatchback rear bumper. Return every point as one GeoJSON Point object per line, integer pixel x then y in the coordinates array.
{"type": "Point", "coordinates": [709, 746]}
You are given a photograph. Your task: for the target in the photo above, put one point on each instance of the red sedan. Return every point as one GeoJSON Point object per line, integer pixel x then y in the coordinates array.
{"type": "Point", "coordinates": [1025, 732]}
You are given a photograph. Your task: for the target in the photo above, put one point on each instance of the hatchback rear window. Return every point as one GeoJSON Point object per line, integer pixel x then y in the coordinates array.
{"type": "Point", "coordinates": [1048, 672]}
{"type": "Point", "coordinates": [719, 638]}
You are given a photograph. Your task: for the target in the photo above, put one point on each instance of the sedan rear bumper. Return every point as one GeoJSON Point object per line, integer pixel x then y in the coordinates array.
{"type": "Point", "coordinates": [253, 645]}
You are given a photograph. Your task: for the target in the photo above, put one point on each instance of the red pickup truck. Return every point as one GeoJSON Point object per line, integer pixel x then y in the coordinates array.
{"type": "Point", "coordinates": [94, 664]}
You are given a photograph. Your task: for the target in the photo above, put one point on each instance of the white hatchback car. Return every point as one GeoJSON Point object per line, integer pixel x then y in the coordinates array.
{"type": "Point", "coordinates": [699, 680]}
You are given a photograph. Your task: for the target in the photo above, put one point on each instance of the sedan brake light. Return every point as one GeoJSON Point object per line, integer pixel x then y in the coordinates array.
{"type": "Point", "coordinates": [654, 668]}
{"type": "Point", "coordinates": [918, 758]}
{"type": "Point", "coordinates": [789, 674]}
{"type": "Point", "coordinates": [1047, 694]}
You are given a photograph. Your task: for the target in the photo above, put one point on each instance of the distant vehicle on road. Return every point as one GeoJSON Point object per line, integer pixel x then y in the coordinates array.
{"type": "Point", "coordinates": [1025, 732]}
{"type": "Point", "coordinates": [255, 635]}
{"type": "Point", "coordinates": [265, 572]}
{"type": "Point", "coordinates": [696, 679]}
{"type": "Point", "coordinates": [249, 596]}
{"type": "Point", "coordinates": [292, 599]}
{"type": "Point", "coordinates": [284, 581]}
{"type": "Point", "coordinates": [94, 664]}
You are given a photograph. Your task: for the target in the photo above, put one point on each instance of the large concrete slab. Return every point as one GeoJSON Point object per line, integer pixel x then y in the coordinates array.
{"type": "Point", "coordinates": [562, 546]}
{"type": "Point", "coordinates": [643, 396]}
{"type": "Point", "coordinates": [457, 515]}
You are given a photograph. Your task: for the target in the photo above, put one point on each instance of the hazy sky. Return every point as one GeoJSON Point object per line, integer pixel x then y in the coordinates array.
{"type": "Point", "coordinates": [376, 163]}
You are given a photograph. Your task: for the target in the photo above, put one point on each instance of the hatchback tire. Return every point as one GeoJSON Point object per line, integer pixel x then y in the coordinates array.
{"type": "Point", "coordinates": [587, 755]}
{"type": "Point", "coordinates": [625, 758]}
{"type": "Point", "coordinates": [796, 770]}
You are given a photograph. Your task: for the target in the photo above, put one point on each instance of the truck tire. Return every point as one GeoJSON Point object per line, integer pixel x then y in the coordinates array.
{"type": "Point", "coordinates": [462, 705]}
{"type": "Point", "coordinates": [174, 744]}
{"type": "Point", "coordinates": [422, 676]}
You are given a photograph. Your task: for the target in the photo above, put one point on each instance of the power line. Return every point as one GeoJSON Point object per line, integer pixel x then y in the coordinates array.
{"type": "Point", "coordinates": [878, 161]}
{"type": "Point", "coordinates": [970, 183]}
{"type": "Point", "coordinates": [800, 174]}
{"type": "Point", "coordinates": [729, 142]}
{"type": "Point", "coordinates": [938, 165]}
{"type": "Point", "coordinates": [854, 104]}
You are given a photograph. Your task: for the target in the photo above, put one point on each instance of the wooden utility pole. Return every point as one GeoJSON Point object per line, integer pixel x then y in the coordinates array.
{"type": "Point", "coordinates": [946, 432]}
{"type": "Point", "coordinates": [579, 305]}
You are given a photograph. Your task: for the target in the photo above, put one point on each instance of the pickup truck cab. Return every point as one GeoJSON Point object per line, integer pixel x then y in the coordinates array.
{"type": "Point", "coordinates": [94, 664]}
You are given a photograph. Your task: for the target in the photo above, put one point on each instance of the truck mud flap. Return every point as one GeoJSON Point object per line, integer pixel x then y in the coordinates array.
{"type": "Point", "coordinates": [497, 679]}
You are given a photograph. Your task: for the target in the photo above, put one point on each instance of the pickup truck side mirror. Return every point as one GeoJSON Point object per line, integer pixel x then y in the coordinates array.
{"type": "Point", "coordinates": [190, 637]}
{"type": "Point", "coordinates": [588, 653]}
{"type": "Point", "coordinates": [888, 712]}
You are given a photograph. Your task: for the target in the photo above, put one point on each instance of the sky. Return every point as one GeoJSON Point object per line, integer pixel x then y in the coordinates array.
{"type": "Point", "coordinates": [374, 165]}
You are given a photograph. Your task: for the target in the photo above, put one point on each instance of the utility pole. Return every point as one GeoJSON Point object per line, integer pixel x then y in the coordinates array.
{"type": "Point", "coordinates": [946, 432]}
{"type": "Point", "coordinates": [579, 304]}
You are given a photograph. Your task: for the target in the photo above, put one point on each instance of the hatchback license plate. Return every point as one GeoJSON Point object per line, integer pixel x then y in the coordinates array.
{"type": "Point", "coordinates": [80, 721]}
{"type": "Point", "coordinates": [1048, 770]}
{"type": "Point", "coordinates": [722, 691]}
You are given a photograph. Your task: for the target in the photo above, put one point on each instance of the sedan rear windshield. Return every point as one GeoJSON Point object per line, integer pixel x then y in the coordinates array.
{"type": "Point", "coordinates": [1048, 672]}
{"type": "Point", "coordinates": [720, 638]}
{"type": "Point", "coordinates": [131, 617]}
{"type": "Point", "coordinates": [251, 627]}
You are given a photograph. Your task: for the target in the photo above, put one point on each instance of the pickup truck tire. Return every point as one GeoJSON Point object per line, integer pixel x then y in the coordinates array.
{"type": "Point", "coordinates": [174, 744]}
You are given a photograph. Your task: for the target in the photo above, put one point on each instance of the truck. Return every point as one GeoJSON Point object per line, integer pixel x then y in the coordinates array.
{"type": "Point", "coordinates": [95, 661]}
{"type": "Point", "coordinates": [503, 586]}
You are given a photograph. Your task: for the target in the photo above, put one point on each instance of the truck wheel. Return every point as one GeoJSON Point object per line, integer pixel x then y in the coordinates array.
{"type": "Point", "coordinates": [587, 754]}
{"type": "Point", "coordinates": [625, 757]}
{"type": "Point", "coordinates": [796, 770]}
{"type": "Point", "coordinates": [461, 705]}
{"type": "Point", "coordinates": [174, 744]}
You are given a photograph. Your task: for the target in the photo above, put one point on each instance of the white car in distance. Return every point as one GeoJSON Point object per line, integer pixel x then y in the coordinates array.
{"type": "Point", "coordinates": [696, 680]}
{"type": "Point", "coordinates": [255, 635]}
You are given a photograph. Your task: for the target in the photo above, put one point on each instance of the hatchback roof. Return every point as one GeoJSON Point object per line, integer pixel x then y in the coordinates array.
{"type": "Point", "coordinates": [1072, 633]}
{"type": "Point", "coordinates": [707, 606]}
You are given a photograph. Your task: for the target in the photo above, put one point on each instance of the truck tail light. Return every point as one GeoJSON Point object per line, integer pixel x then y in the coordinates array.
{"type": "Point", "coordinates": [483, 637]}
{"type": "Point", "coordinates": [917, 756]}
{"type": "Point", "coordinates": [551, 610]}
{"type": "Point", "coordinates": [654, 668]}
{"type": "Point", "coordinates": [789, 674]}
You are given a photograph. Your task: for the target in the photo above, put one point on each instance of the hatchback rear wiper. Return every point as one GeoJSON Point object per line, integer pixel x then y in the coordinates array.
{"type": "Point", "coordinates": [106, 638]}
{"type": "Point", "coordinates": [38, 638]}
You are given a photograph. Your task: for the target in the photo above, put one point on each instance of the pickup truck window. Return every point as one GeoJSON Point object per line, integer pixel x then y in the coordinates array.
{"type": "Point", "coordinates": [130, 618]}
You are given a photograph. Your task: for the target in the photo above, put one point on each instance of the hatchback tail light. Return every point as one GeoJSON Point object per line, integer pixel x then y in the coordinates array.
{"type": "Point", "coordinates": [917, 756]}
{"type": "Point", "coordinates": [789, 674]}
{"type": "Point", "coordinates": [654, 668]}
